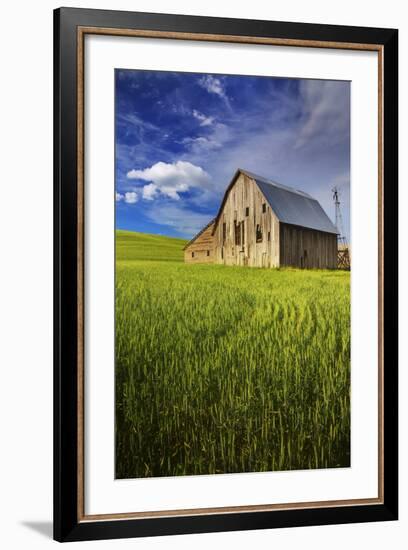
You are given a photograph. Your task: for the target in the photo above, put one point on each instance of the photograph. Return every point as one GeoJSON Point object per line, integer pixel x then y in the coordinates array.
{"type": "Point", "coordinates": [233, 258]}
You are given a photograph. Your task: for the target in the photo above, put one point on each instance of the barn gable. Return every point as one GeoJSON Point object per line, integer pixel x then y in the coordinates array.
{"type": "Point", "coordinates": [208, 226]}
{"type": "Point", "coordinates": [200, 249]}
{"type": "Point", "coordinates": [248, 230]}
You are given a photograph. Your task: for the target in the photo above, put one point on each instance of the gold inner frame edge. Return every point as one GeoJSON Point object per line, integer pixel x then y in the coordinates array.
{"type": "Point", "coordinates": [81, 33]}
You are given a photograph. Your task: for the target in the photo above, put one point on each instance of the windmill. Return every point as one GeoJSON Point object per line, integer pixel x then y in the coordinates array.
{"type": "Point", "coordinates": [343, 255]}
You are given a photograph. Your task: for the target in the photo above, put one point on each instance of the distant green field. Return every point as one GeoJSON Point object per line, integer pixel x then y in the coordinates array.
{"type": "Point", "coordinates": [141, 246]}
{"type": "Point", "coordinates": [227, 369]}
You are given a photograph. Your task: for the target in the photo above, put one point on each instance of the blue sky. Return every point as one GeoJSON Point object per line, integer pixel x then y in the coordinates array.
{"type": "Point", "coordinates": [181, 136]}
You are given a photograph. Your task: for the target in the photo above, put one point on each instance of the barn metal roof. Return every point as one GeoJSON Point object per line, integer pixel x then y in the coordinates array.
{"type": "Point", "coordinates": [292, 206]}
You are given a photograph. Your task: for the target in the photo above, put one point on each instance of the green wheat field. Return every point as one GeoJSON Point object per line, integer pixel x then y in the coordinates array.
{"type": "Point", "coordinates": [227, 369]}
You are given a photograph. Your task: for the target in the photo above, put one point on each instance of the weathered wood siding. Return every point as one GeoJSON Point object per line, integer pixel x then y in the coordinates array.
{"type": "Point", "coordinates": [244, 209]}
{"type": "Point", "coordinates": [307, 248]}
{"type": "Point", "coordinates": [201, 250]}
{"type": "Point", "coordinates": [248, 233]}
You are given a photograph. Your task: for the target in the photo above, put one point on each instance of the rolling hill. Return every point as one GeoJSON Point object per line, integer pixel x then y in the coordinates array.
{"type": "Point", "coordinates": [142, 246]}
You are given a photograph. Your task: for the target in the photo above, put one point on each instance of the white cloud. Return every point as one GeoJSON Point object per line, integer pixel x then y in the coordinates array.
{"type": "Point", "coordinates": [119, 196]}
{"type": "Point", "coordinates": [204, 120]}
{"type": "Point", "coordinates": [212, 85]}
{"type": "Point", "coordinates": [131, 197]}
{"type": "Point", "coordinates": [150, 192]}
{"type": "Point", "coordinates": [170, 179]}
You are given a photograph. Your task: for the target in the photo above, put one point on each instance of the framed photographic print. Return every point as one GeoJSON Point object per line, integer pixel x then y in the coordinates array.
{"type": "Point", "coordinates": [225, 274]}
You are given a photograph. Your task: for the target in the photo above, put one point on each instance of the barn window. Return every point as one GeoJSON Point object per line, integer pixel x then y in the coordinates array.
{"type": "Point", "coordinates": [243, 232]}
{"type": "Point", "coordinates": [192, 254]}
{"type": "Point", "coordinates": [237, 231]}
{"type": "Point", "coordinates": [222, 253]}
{"type": "Point", "coordinates": [269, 235]}
{"type": "Point", "coordinates": [247, 211]}
{"type": "Point", "coordinates": [264, 207]}
{"type": "Point", "coordinates": [258, 234]}
{"type": "Point", "coordinates": [208, 252]}
{"type": "Point", "coordinates": [224, 232]}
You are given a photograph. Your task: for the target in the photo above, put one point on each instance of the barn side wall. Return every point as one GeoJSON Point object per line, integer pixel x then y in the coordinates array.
{"type": "Point", "coordinates": [201, 250]}
{"type": "Point", "coordinates": [243, 195]}
{"type": "Point", "coordinates": [307, 248]}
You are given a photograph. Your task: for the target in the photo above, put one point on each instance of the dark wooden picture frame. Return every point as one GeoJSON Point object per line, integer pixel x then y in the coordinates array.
{"type": "Point", "coordinates": [70, 27]}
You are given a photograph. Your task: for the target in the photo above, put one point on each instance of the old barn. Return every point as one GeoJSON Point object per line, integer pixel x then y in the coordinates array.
{"type": "Point", "coordinates": [261, 223]}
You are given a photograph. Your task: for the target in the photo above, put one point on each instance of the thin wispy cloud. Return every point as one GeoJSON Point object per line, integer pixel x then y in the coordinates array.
{"type": "Point", "coordinates": [133, 121]}
{"type": "Point", "coordinates": [183, 220]}
{"type": "Point", "coordinates": [204, 120]}
{"type": "Point", "coordinates": [325, 107]}
{"type": "Point", "coordinates": [201, 143]}
{"type": "Point", "coordinates": [213, 85]}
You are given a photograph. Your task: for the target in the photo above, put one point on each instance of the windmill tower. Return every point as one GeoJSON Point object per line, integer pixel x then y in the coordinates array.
{"type": "Point", "coordinates": [343, 255]}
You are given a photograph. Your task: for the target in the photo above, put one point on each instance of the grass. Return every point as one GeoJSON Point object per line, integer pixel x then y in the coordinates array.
{"type": "Point", "coordinates": [227, 369]}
